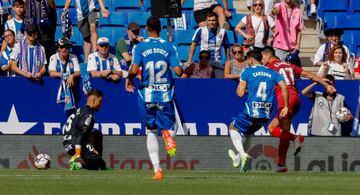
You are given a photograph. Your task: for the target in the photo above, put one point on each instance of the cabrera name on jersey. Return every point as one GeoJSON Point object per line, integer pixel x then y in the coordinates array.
{"type": "Point", "coordinates": [155, 56]}
{"type": "Point", "coordinates": [261, 82]}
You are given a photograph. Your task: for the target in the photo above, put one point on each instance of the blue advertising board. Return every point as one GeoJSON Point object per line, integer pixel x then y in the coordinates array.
{"type": "Point", "coordinates": [205, 106]}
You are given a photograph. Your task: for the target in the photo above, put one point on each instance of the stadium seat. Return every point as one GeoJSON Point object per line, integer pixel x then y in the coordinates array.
{"type": "Point", "coordinates": [77, 38]}
{"type": "Point", "coordinates": [331, 17]}
{"type": "Point", "coordinates": [61, 4]}
{"type": "Point", "coordinates": [354, 6]}
{"type": "Point", "coordinates": [184, 50]}
{"type": "Point", "coordinates": [193, 23]}
{"type": "Point", "coordinates": [239, 39]}
{"type": "Point", "coordinates": [125, 5]}
{"type": "Point", "coordinates": [138, 17]}
{"type": "Point", "coordinates": [188, 5]}
{"type": "Point", "coordinates": [231, 36]}
{"type": "Point", "coordinates": [331, 6]}
{"type": "Point", "coordinates": [235, 19]}
{"type": "Point", "coordinates": [116, 19]}
{"type": "Point", "coordinates": [184, 37]}
{"type": "Point", "coordinates": [117, 33]}
{"type": "Point", "coordinates": [348, 22]}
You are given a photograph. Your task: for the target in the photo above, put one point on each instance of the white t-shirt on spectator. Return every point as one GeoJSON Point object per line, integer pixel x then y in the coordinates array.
{"type": "Point", "coordinates": [55, 61]}
{"type": "Point", "coordinates": [94, 58]}
{"type": "Point", "coordinates": [202, 4]}
{"type": "Point", "coordinates": [336, 70]}
{"type": "Point", "coordinates": [257, 23]}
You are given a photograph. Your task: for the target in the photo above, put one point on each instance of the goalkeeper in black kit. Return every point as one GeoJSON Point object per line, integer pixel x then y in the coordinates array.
{"type": "Point", "coordinates": [80, 141]}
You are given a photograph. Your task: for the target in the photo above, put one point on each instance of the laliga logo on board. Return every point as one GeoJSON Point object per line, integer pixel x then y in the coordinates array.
{"type": "Point", "coordinates": [258, 152]}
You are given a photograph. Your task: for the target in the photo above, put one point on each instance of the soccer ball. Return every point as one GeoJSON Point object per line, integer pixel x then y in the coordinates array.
{"type": "Point", "coordinates": [341, 113]}
{"type": "Point", "coordinates": [42, 161]}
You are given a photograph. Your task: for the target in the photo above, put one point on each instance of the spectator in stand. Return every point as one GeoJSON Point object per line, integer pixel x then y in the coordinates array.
{"type": "Point", "coordinates": [323, 121]}
{"type": "Point", "coordinates": [357, 68]}
{"type": "Point", "coordinates": [42, 13]}
{"type": "Point", "coordinates": [5, 13]}
{"type": "Point", "coordinates": [9, 38]}
{"type": "Point", "coordinates": [202, 7]}
{"type": "Point", "coordinates": [337, 65]}
{"type": "Point", "coordinates": [313, 7]}
{"type": "Point", "coordinates": [63, 62]}
{"type": "Point", "coordinates": [288, 25]}
{"type": "Point", "coordinates": [28, 57]}
{"type": "Point", "coordinates": [200, 69]}
{"type": "Point", "coordinates": [87, 21]}
{"type": "Point", "coordinates": [234, 67]}
{"type": "Point", "coordinates": [211, 38]}
{"type": "Point", "coordinates": [15, 23]}
{"type": "Point", "coordinates": [256, 26]}
{"type": "Point", "coordinates": [322, 54]}
{"type": "Point", "coordinates": [125, 45]}
{"type": "Point", "coordinates": [102, 63]}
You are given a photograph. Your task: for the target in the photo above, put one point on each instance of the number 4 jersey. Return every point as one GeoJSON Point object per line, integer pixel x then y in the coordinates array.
{"type": "Point", "coordinates": [156, 56]}
{"type": "Point", "coordinates": [261, 82]}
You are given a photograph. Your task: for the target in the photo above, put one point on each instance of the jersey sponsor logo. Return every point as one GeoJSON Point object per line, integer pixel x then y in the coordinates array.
{"type": "Point", "coordinates": [261, 105]}
{"type": "Point", "coordinates": [158, 87]}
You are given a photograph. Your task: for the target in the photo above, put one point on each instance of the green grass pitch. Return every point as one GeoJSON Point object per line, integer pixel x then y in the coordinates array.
{"type": "Point", "coordinates": [61, 181]}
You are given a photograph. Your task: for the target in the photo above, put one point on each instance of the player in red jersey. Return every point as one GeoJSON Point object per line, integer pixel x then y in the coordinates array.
{"type": "Point", "coordinates": [281, 127]}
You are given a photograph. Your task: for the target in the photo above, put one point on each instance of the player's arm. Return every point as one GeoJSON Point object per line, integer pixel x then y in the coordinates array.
{"type": "Point", "coordinates": [285, 94]}
{"type": "Point", "coordinates": [67, 5]}
{"type": "Point", "coordinates": [241, 89]}
{"type": "Point", "coordinates": [317, 79]}
{"type": "Point", "coordinates": [175, 61]}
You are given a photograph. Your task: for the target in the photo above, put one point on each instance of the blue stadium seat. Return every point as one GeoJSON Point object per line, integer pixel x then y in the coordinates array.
{"type": "Point", "coordinates": [77, 38]}
{"type": "Point", "coordinates": [231, 37]}
{"type": "Point", "coordinates": [239, 39]}
{"type": "Point", "coordinates": [354, 6]}
{"type": "Point", "coordinates": [331, 6]}
{"type": "Point", "coordinates": [106, 32]}
{"type": "Point", "coordinates": [188, 5]}
{"type": "Point", "coordinates": [116, 19]}
{"type": "Point", "coordinates": [61, 4]}
{"type": "Point", "coordinates": [347, 38]}
{"type": "Point", "coordinates": [193, 23]}
{"type": "Point", "coordinates": [117, 33]}
{"type": "Point", "coordinates": [184, 37]}
{"type": "Point", "coordinates": [184, 50]}
{"type": "Point", "coordinates": [125, 5]}
{"type": "Point", "coordinates": [235, 19]}
{"type": "Point", "coordinates": [330, 18]}
{"type": "Point", "coordinates": [138, 17]}
{"type": "Point", "coordinates": [348, 22]}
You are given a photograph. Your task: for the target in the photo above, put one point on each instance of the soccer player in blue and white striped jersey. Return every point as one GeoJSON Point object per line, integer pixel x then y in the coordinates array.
{"type": "Point", "coordinates": [259, 82]}
{"type": "Point", "coordinates": [156, 57]}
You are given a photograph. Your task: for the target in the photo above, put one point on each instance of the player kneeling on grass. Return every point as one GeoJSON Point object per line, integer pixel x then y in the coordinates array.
{"type": "Point", "coordinates": [79, 139]}
{"type": "Point", "coordinates": [259, 82]}
{"type": "Point", "coordinates": [156, 57]}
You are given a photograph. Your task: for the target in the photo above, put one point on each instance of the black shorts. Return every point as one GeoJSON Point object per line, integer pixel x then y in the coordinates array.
{"type": "Point", "coordinates": [200, 15]}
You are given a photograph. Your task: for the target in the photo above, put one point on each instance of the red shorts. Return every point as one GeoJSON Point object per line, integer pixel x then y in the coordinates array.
{"type": "Point", "coordinates": [294, 102]}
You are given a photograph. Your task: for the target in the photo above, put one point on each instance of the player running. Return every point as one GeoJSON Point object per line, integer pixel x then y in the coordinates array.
{"type": "Point", "coordinates": [155, 94]}
{"type": "Point", "coordinates": [259, 82]}
{"type": "Point", "coordinates": [79, 139]}
{"type": "Point", "coordinates": [281, 127]}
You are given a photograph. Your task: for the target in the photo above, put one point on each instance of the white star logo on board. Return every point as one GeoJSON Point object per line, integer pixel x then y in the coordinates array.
{"type": "Point", "coordinates": [13, 125]}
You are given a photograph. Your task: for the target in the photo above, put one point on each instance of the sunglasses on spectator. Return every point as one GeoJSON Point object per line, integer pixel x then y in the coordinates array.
{"type": "Point", "coordinates": [257, 4]}
{"type": "Point", "coordinates": [64, 46]}
{"type": "Point", "coordinates": [136, 31]}
{"type": "Point", "coordinates": [237, 52]}
{"type": "Point", "coordinates": [103, 45]}
{"type": "Point", "coordinates": [32, 34]}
